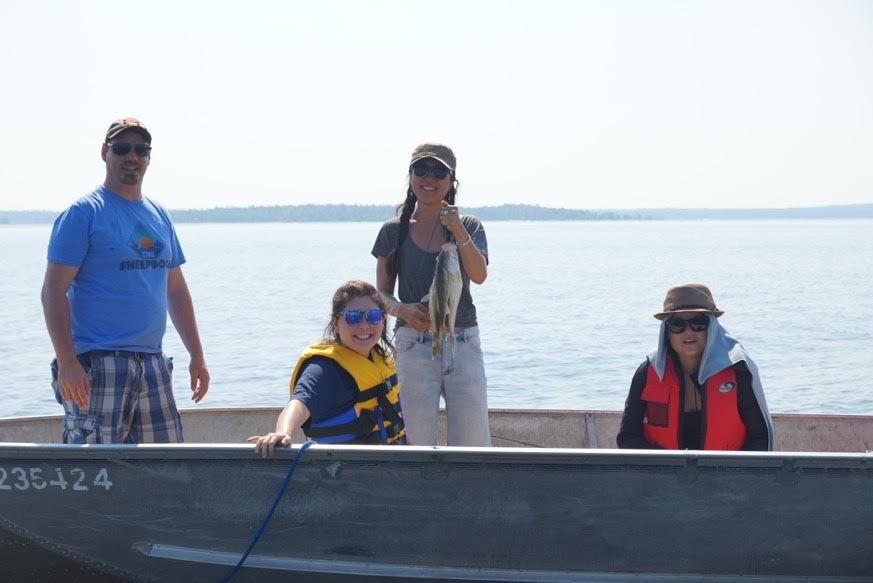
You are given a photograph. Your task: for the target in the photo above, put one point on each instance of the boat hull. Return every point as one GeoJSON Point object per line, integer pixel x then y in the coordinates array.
{"type": "Point", "coordinates": [186, 513]}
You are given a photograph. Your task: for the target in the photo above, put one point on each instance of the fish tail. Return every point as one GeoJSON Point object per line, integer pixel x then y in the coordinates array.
{"type": "Point", "coordinates": [437, 341]}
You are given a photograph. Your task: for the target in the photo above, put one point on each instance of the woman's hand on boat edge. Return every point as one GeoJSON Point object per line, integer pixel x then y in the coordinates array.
{"type": "Point", "coordinates": [266, 444]}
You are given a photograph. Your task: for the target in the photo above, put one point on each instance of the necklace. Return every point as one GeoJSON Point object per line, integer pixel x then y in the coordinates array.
{"type": "Point", "coordinates": [426, 249]}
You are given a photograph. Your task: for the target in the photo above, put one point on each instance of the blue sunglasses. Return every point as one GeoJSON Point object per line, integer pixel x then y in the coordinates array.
{"type": "Point", "coordinates": [353, 317]}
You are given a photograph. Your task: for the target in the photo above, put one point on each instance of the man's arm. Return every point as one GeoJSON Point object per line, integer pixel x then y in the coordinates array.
{"type": "Point", "coordinates": [181, 310]}
{"type": "Point", "coordinates": [72, 378]}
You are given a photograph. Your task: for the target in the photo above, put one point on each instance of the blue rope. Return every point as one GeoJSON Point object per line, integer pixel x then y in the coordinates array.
{"type": "Point", "coordinates": [261, 530]}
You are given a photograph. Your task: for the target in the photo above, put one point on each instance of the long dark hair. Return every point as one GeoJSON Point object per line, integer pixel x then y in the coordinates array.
{"type": "Point", "coordinates": [405, 209]}
{"type": "Point", "coordinates": [341, 297]}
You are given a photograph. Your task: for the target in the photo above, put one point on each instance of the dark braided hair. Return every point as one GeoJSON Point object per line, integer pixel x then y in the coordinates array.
{"type": "Point", "coordinates": [406, 209]}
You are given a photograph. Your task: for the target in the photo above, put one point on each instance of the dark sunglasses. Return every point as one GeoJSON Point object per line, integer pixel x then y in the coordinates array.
{"type": "Point", "coordinates": [123, 148]}
{"type": "Point", "coordinates": [439, 172]}
{"type": "Point", "coordinates": [353, 317]}
{"type": "Point", "coordinates": [697, 323]}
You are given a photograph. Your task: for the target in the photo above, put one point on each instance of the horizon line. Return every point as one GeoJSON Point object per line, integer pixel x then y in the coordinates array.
{"type": "Point", "coordinates": [522, 205]}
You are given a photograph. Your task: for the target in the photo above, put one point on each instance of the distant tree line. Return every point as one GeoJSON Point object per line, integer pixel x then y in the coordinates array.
{"type": "Point", "coordinates": [377, 213]}
{"type": "Point", "coordinates": [846, 211]}
{"type": "Point", "coordinates": [308, 213]}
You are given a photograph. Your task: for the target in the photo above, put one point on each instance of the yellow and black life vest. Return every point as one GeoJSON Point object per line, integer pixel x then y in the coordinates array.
{"type": "Point", "coordinates": [376, 410]}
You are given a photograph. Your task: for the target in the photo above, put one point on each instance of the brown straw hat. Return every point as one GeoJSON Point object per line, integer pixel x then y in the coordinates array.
{"type": "Point", "coordinates": [691, 297]}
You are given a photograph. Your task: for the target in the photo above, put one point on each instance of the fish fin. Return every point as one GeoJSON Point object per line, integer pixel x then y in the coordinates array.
{"type": "Point", "coordinates": [426, 298]}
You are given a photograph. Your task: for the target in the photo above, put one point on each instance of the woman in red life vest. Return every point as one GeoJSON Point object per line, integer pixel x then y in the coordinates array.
{"type": "Point", "coordinates": [699, 389]}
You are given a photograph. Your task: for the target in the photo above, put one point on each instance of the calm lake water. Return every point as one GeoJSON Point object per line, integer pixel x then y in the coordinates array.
{"type": "Point", "coordinates": [566, 312]}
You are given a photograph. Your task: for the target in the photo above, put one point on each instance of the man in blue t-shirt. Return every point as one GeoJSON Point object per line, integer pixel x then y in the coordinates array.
{"type": "Point", "coordinates": [114, 271]}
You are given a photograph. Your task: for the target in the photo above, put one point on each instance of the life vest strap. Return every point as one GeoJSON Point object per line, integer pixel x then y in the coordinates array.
{"type": "Point", "coordinates": [375, 390]}
{"type": "Point", "coordinates": [362, 425]}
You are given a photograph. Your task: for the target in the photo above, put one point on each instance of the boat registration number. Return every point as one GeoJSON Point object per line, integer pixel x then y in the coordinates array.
{"type": "Point", "coordinates": [74, 479]}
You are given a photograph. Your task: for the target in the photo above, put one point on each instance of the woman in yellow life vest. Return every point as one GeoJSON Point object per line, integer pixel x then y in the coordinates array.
{"type": "Point", "coordinates": [699, 389]}
{"type": "Point", "coordinates": [344, 389]}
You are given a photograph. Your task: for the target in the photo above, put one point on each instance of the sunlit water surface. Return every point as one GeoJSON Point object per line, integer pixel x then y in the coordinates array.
{"type": "Point", "coordinates": [566, 312]}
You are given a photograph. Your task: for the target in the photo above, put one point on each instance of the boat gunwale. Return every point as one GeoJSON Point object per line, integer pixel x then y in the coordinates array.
{"type": "Point", "coordinates": [207, 411]}
{"type": "Point", "coordinates": [433, 454]}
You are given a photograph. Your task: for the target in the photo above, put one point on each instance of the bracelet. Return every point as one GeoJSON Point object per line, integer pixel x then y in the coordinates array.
{"type": "Point", "coordinates": [467, 242]}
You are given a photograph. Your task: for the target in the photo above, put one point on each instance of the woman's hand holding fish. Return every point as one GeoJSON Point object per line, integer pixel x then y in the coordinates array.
{"type": "Point", "coordinates": [265, 444]}
{"type": "Point", "coordinates": [414, 315]}
{"type": "Point", "coordinates": [450, 217]}
{"type": "Point", "coordinates": [474, 264]}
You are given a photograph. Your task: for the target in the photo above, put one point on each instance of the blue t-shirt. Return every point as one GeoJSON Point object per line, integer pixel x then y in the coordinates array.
{"type": "Point", "coordinates": [326, 388]}
{"type": "Point", "coordinates": [123, 249]}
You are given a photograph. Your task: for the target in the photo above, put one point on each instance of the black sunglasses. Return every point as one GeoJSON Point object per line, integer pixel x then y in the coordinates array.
{"type": "Point", "coordinates": [697, 323]}
{"type": "Point", "coordinates": [421, 170]}
{"type": "Point", "coordinates": [122, 148]}
{"type": "Point", "coordinates": [354, 317]}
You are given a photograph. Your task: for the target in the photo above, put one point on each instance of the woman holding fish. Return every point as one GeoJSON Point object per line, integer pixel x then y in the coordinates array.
{"type": "Point", "coordinates": [431, 253]}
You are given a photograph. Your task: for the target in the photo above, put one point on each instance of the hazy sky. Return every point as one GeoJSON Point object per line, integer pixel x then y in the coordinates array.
{"type": "Point", "coordinates": [612, 104]}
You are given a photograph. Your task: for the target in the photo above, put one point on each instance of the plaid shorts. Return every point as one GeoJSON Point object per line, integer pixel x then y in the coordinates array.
{"type": "Point", "coordinates": [131, 400]}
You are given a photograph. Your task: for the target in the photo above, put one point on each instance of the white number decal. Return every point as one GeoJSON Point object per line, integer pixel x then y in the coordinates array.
{"type": "Point", "coordinates": [102, 479]}
{"type": "Point", "coordinates": [60, 481]}
{"type": "Point", "coordinates": [78, 485]}
{"type": "Point", "coordinates": [36, 479]}
{"type": "Point", "coordinates": [22, 483]}
{"type": "Point", "coordinates": [32, 479]}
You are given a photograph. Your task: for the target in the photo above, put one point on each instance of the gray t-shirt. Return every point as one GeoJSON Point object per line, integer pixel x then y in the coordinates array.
{"type": "Point", "coordinates": [417, 266]}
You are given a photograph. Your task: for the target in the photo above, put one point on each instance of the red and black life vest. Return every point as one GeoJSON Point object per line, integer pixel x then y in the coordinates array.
{"type": "Point", "coordinates": [722, 425]}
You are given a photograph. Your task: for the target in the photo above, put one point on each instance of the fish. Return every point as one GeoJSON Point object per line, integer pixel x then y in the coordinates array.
{"type": "Point", "coordinates": [444, 297]}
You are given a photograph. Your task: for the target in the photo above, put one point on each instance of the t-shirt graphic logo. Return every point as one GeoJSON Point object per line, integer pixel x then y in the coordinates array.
{"type": "Point", "coordinates": [146, 242]}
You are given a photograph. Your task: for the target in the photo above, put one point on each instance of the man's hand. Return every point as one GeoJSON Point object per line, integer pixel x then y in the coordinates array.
{"type": "Point", "coordinates": [199, 379]}
{"type": "Point", "coordinates": [73, 383]}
